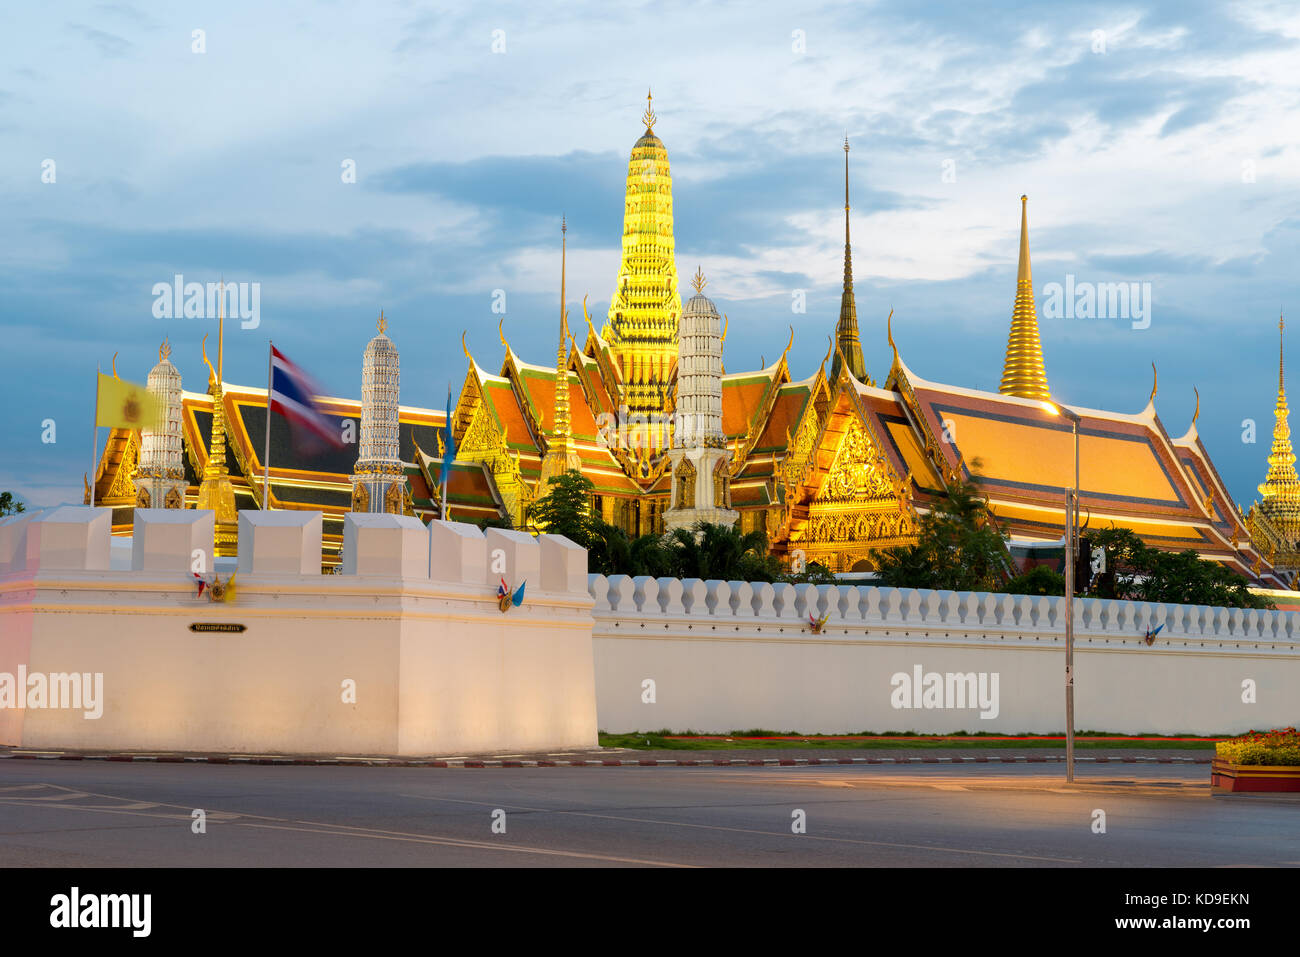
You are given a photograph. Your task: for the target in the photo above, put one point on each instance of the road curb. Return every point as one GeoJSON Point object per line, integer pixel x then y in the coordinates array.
{"type": "Point", "coordinates": [289, 760]}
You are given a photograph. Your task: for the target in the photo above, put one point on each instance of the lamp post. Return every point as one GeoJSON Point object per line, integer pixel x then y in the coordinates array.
{"type": "Point", "coordinates": [1071, 543]}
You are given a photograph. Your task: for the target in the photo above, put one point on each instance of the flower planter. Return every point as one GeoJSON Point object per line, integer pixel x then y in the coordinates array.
{"type": "Point", "coordinates": [1242, 778]}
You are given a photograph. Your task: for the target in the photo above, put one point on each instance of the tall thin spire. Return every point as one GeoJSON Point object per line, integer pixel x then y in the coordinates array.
{"type": "Point", "coordinates": [215, 491]}
{"type": "Point", "coordinates": [560, 453]}
{"type": "Point", "coordinates": [846, 330]}
{"type": "Point", "coordinates": [1281, 489]}
{"type": "Point", "coordinates": [562, 429]}
{"type": "Point", "coordinates": [217, 447]}
{"type": "Point", "coordinates": [1023, 374]}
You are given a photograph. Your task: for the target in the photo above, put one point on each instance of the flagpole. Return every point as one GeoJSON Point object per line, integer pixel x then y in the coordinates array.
{"type": "Point", "coordinates": [266, 449]}
{"type": "Point", "coordinates": [94, 438]}
{"type": "Point", "coordinates": [446, 447]}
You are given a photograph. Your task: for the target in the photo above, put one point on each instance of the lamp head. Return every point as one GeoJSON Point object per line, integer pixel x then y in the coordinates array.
{"type": "Point", "coordinates": [1049, 406]}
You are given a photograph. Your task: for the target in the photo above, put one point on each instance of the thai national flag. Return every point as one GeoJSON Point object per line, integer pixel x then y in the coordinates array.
{"type": "Point", "coordinates": [294, 396]}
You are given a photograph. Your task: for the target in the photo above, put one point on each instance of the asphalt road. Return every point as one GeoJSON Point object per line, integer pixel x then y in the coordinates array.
{"type": "Point", "coordinates": [93, 814]}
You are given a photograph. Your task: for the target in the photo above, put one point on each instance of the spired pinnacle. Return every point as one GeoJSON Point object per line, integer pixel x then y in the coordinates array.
{"type": "Point", "coordinates": [846, 330]}
{"type": "Point", "coordinates": [698, 282]}
{"type": "Point", "coordinates": [648, 117]}
{"type": "Point", "coordinates": [643, 313]}
{"type": "Point", "coordinates": [381, 324]}
{"type": "Point", "coordinates": [1281, 488]}
{"type": "Point", "coordinates": [1023, 374]}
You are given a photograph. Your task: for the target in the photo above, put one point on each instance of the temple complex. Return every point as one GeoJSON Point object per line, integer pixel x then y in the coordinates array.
{"type": "Point", "coordinates": [829, 464]}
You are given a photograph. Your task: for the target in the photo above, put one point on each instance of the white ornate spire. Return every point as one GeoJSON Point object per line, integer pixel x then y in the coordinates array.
{"type": "Point", "coordinates": [378, 483]}
{"type": "Point", "coordinates": [699, 454]}
{"type": "Point", "coordinates": [160, 480]}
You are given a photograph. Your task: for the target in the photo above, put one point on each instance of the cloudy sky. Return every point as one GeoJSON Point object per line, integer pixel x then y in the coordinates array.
{"type": "Point", "coordinates": [1158, 143]}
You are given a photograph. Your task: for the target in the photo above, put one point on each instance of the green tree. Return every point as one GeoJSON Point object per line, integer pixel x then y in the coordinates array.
{"type": "Point", "coordinates": [565, 509]}
{"type": "Point", "coordinates": [10, 504]}
{"type": "Point", "coordinates": [958, 546]}
{"type": "Point", "coordinates": [614, 552]}
{"type": "Point", "coordinates": [721, 551]}
{"type": "Point", "coordinates": [1138, 572]}
{"type": "Point", "coordinates": [1039, 580]}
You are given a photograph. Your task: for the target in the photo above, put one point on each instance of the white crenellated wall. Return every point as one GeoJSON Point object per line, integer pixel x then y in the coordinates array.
{"type": "Point", "coordinates": [437, 667]}
{"type": "Point", "coordinates": [726, 656]}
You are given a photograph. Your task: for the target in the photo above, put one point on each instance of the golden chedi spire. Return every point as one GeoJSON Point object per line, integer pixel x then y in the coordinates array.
{"type": "Point", "coordinates": [846, 330]}
{"type": "Point", "coordinates": [1281, 489]}
{"type": "Point", "coordinates": [560, 453]}
{"type": "Point", "coordinates": [1023, 373]}
{"type": "Point", "coordinates": [216, 492]}
{"type": "Point", "coordinates": [644, 310]}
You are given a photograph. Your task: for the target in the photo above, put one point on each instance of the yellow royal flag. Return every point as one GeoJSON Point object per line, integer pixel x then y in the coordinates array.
{"type": "Point", "coordinates": [124, 405]}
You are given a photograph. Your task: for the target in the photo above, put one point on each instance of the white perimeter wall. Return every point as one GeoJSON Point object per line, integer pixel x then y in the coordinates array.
{"type": "Point", "coordinates": [439, 669]}
{"type": "Point", "coordinates": [727, 656]}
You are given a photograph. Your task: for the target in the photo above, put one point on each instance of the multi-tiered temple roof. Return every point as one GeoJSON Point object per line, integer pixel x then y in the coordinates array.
{"type": "Point", "coordinates": [828, 464]}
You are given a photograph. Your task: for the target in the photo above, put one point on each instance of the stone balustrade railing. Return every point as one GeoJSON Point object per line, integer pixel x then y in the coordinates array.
{"type": "Point", "coordinates": [925, 609]}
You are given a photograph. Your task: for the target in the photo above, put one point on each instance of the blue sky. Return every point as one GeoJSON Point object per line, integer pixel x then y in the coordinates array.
{"type": "Point", "coordinates": [1157, 143]}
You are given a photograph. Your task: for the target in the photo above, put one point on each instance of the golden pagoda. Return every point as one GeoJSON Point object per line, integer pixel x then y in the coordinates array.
{"type": "Point", "coordinates": [1022, 373]}
{"type": "Point", "coordinates": [641, 330]}
{"type": "Point", "coordinates": [216, 492]}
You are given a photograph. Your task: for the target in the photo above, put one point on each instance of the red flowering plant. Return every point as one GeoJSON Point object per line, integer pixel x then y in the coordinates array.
{"type": "Point", "coordinates": [1279, 746]}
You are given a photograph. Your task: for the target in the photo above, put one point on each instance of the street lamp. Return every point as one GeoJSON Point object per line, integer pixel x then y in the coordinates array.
{"type": "Point", "coordinates": [1071, 543]}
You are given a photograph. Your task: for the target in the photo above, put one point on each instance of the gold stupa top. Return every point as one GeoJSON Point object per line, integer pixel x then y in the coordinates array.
{"type": "Point", "coordinates": [643, 312]}
{"type": "Point", "coordinates": [1023, 374]}
{"type": "Point", "coordinates": [1281, 489]}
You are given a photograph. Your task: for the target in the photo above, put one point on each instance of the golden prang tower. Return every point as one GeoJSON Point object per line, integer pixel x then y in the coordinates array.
{"type": "Point", "coordinates": [646, 306]}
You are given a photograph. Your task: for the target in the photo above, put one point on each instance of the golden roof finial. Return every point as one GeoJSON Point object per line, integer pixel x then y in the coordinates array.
{"type": "Point", "coordinates": [165, 349]}
{"type": "Point", "coordinates": [889, 333]}
{"type": "Point", "coordinates": [1197, 414]}
{"type": "Point", "coordinates": [382, 323]}
{"type": "Point", "coordinates": [464, 347]}
{"type": "Point", "coordinates": [1022, 373]}
{"type": "Point", "coordinates": [501, 331]}
{"type": "Point", "coordinates": [698, 282]}
{"type": "Point", "coordinates": [786, 351]}
{"type": "Point", "coordinates": [648, 117]}
{"type": "Point", "coordinates": [1154, 382]}
{"type": "Point", "coordinates": [115, 365]}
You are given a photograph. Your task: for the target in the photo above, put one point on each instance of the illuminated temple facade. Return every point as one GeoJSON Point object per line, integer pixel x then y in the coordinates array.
{"type": "Point", "coordinates": [826, 461]}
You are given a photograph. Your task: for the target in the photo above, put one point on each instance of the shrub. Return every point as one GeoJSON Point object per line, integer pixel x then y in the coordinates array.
{"type": "Point", "coordinates": [1039, 580]}
{"type": "Point", "coordinates": [1280, 746]}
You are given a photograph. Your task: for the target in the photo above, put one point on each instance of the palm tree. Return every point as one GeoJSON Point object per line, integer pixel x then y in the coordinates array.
{"type": "Point", "coordinates": [720, 551]}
